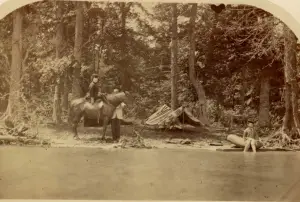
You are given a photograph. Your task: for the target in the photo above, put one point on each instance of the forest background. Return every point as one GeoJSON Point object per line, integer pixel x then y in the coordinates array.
{"type": "Point", "coordinates": [225, 64]}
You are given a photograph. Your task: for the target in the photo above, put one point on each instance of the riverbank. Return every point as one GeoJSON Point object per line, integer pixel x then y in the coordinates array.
{"type": "Point", "coordinates": [90, 137]}
{"type": "Point", "coordinates": [62, 136]}
{"type": "Point", "coordinates": [134, 137]}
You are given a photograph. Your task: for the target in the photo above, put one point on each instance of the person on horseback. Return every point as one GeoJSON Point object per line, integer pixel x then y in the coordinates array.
{"type": "Point", "coordinates": [80, 108]}
{"type": "Point", "coordinates": [92, 93]}
{"type": "Point", "coordinates": [95, 93]}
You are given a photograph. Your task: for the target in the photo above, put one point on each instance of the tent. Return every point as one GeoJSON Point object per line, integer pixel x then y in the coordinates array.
{"type": "Point", "coordinates": [167, 118]}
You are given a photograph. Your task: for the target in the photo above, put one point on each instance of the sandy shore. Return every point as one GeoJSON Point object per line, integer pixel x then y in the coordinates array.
{"type": "Point", "coordinates": [90, 138]}
{"type": "Point", "coordinates": [212, 140]}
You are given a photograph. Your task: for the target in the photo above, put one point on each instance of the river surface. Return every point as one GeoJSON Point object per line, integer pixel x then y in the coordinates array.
{"type": "Point", "coordinates": [156, 174]}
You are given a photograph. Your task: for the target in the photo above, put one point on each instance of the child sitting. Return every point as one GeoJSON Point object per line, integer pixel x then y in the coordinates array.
{"type": "Point", "coordinates": [250, 137]}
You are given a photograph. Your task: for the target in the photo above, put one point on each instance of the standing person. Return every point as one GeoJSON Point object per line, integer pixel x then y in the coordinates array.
{"type": "Point", "coordinates": [250, 137]}
{"type": "Point", "coordinates": [116, 119]}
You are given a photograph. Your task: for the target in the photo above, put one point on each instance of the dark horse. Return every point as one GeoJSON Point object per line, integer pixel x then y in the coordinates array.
{"type": "Point", "coordinates": [81, 107]}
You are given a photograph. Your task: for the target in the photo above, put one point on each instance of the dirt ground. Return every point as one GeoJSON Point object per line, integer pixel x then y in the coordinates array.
{"type": "Point", "coordinates": [90, 137]}
{"type": "Point", "coordinates": [135, 136]}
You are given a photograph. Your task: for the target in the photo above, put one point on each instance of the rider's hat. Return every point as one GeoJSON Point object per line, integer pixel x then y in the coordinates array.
{"type": "Point", "coordinates": [251, 120]}
{"type": "Point", "coordinates": [94, 76]}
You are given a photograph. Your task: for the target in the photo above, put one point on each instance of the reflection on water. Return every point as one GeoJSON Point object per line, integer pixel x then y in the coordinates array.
{"type": "Point", "coordinates": [160, 174]}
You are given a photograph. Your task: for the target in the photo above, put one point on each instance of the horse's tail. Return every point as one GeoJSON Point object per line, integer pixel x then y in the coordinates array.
{"type": "Point", "coordinates": [70, 114]}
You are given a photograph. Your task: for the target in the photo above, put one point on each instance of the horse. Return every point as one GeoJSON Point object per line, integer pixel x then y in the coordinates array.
{"type": "Point", "coordinates": [80, 107]}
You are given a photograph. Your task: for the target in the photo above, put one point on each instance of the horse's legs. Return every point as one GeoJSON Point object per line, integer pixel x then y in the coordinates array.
{"type": "Point", "coordinates": [74, 127]}
{"type": "Point", "coordinates": [105, 122]}
{"type": "Point", "coordinates": [75, 123]}
{"type": "Point", "coordinates": [113, 128]}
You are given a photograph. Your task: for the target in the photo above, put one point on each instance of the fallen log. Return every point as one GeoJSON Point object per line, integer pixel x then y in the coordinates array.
{"type": "Point", "coordinates": [216, 144]}
{"type": "Point", "coordinates": [239, 141]}
{"type": "Point", "coordinates": [8, 138]}
{"type": "Point", "coordinates": [179, 141]}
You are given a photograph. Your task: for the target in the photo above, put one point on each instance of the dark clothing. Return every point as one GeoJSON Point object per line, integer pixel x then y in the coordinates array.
{"type": "Point", "coordinates": [115, 128]}
{"type": "Point", "coordinates": [93, 90]}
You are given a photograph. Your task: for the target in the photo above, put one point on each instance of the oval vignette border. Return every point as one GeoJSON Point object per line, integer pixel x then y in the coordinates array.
{"type": "Point", "coordinates": [284, 10]}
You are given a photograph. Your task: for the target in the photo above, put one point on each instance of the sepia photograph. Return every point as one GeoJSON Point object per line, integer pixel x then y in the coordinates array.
{"type": "Point", "coordinates": [108, 100]}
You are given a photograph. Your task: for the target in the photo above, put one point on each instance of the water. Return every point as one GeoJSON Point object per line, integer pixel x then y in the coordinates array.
{"type": "Point", "coordinates": [158, 174]}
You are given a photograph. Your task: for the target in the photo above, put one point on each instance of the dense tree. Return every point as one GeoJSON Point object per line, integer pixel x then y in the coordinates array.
{"type": "Point", "coordinates": [212, 60]}
{"type": "Point", "coordinates": [59, 80]}
{"type": "Point", "coordinates": [76, 88]}
{"type": "Point", "coordinates": [192, 74]}
{"type": "Point", "coordinates": [174, 56]}
{"type": "Point", "coordinates": [16, 63]}
{"type": "Point", "coordinates": [264, 105]}
{"type": "Point", "coordinates": [291, 118]}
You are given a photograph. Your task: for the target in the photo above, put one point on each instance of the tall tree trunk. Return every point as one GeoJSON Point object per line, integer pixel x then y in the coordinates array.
{"type": "Point", "coordinates": [288, 115]}
{"type": "Point", "coordinates": [125, 82]}
{"type": "Point", "coordinates": [66, 90]}
{"type": "Point", "coordinates": [290, 71]}
{"type": "Point", "coordinates": [264, 106]}
{"type": "Point", "coordinates": [174, 55]}
{"type": "Point", "coordinates": [76, 88]}
{"type": "Point", "coordinates": [68, 80]}
{"type": "Point", "coordinates": [100, 53]}
{"type": "Point", "coordinates": [101, 63]}
{"type": "Point", "coordinates": [96, 70]}
{"type": "Point", "coordinates": [56, 115]}
{"type": "Point", "coordinates": [16, 64]}
{"type": "Point", "coordinates": [244, 89]}
{"type": "Point", "coordinates": [192, 74]}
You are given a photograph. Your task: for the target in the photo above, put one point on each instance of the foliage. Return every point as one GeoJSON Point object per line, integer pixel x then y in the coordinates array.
{"type": "Point", "coordinates": [240, 40]}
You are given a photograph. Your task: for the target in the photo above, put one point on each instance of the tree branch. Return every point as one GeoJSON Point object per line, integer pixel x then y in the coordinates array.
{"type": "Point", "coordinates": [6, 60]}
{"type": "Point", "coordinates": [24, 67]}
{"type": "Point", "coordinates": [90, 38]}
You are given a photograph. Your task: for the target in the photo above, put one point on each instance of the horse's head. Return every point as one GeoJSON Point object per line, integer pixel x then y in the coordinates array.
{"type": "Point", "coordinates": [128, 97]}
{"type": "Point", "coordinates": [120, 97]}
